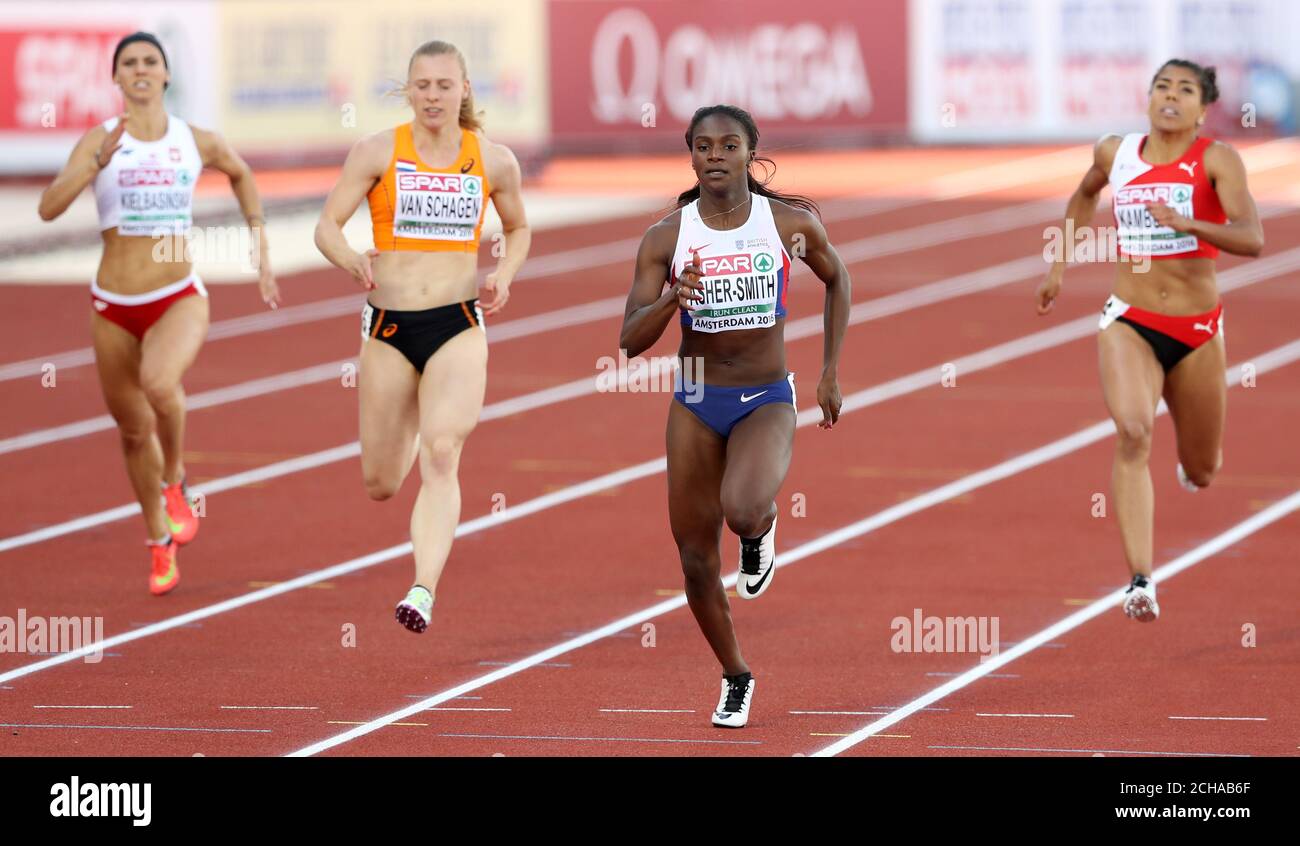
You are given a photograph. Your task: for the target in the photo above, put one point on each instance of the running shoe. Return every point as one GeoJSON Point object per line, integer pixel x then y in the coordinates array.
{"type": "Point", "coordinates": [757, 557]}
{"type": "Point", "coordinates": [165, 575]}
{"type": "Point", "coordinates": [1140, 600]}
{"type": "Point", "coordinates": [733, 705]}
{"type": "Point", "coordinates": [416, 610]}
{"type": "Point", "coordinates": [182, 522]}
{"type": "Point", "coordinates": [1188, 484]}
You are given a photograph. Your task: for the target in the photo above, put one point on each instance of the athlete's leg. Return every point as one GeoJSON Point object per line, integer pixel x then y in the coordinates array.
{"type": "Point", "coordinates": [117, 357]}
{"type": "Point", "coordinates": [388, 386]}
{"type": "Point", "coordinates": [1197, 396]}
{"type": "Point", "coordinates": [167, 351]}
{"type": "Point", "coordinates": [451, 397]}
{"type": "Point", "coordinates": [696, 463]}
{"type": "Point", "coordinates": [1131, 380]}
{"type": "Point", "coordinates": [758, 457]}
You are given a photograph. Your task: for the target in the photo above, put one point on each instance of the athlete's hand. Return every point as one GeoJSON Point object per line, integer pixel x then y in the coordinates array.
{"type": "Point", "coordinates": [1050, 288]}
{"type": "Point", "coordinates": [498, 285]}
{"type": "Point", "coordinates": [828, 397]}
{"type": "Point", "coordinates": [689, 289]}
{"type": "Point", "coordinates": [266, 283]}
{"type": "Point", "coordinates": [359, 267]}
{"type": "Point", "coordinates": [1166, 216]}
{"type": "Point", "coordinates": [112, 143]}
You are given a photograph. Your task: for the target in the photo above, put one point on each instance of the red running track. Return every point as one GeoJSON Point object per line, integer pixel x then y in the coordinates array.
{"type": "Point", "coordinates": [272, 677]}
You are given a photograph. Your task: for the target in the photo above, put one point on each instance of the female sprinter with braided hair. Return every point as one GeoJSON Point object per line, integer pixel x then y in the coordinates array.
{"type": "Point", "coordinates": [721, 261]}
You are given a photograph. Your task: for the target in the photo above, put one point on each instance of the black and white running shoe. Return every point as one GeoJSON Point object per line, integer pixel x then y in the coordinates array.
{"type": "Point", "coordinates": [733, 705]}
{"type": "Point", "coordinates": [756, 559]}
{"type": "Point", "coordinates": [1140, 600]}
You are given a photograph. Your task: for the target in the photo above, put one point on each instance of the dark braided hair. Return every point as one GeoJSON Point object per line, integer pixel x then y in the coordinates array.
{"type": "Point", "coordinates": [746, 122]}
{"type": "Point", "coordinates": [1205, 76]}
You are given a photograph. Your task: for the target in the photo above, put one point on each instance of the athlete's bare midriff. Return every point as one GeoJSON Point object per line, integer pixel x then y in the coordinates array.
{"type": "Point", "coordinates": [1169, 286]}
{"type": "Point", "coordinates": [737, 359]}
{"type": "Point", "coordinates": [415, 281]}
{"type": "Point", "coordinates": [131, 264]}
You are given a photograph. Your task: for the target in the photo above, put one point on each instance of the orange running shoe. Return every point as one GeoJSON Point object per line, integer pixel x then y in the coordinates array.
{"type": "Point", "coordinates": [182, 522]}
{"type": "Point", "coordinates": [166, 575]}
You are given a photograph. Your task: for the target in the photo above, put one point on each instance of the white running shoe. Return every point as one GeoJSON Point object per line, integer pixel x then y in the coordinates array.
{"type": "Point", "coordinates": [1188, 484]}
{"type": "Point", "coordinates": [733, 705]}
{"type": "Point", "coordinates": [416, 610]}
{"type": "Point", "coordinates": [1140, 600]}
{"type": "Point", "coordinates": [756, 564]}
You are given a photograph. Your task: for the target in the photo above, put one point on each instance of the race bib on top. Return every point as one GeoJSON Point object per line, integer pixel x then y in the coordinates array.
{"type": "Point", "coordinates": [740, 292]}
{"type": "Point", "coordinates": [1139, 234]}
{"type": "Point", "coordinates": [438, 206]}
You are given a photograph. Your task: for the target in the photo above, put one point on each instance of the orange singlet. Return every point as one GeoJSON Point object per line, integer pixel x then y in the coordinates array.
{"type": "Point", "coordinates": [426, 209]}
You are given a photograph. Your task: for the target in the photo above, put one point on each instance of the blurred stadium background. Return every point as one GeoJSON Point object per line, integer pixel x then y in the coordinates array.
{"type": "Point", "coordinates": [292, 83]}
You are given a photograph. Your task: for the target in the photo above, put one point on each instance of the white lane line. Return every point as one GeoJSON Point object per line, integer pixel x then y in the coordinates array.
{"type": "Point", "coordinates": [967, 183]}
{"type": "Point", "coordinates": [647, 710]}
{"type": "Point", "coordinates": [134, 728]}
{"type": "Point", "coordinates": [856, 251]}
{"type": "Point", "coordinates": [1011, 467]}
{"type": "Point", "coordinates": [603, 739]}
{"type": "Point", "coordinates": [112, 707]}
{"type": "Point", "coordinates": [979, 180]}
{"type": "Point", "coordinates": [861, 399]}
{"type": "Point", "coordinates": [1238, 277]}
{"type": "Point", "coordinates": [841, 713]}
{"type": "Point", "coordinates": [1251, 719]}
{"type": "Point", "coordinates": [1051, 716]}
{"type": "Point", "coordinates": [269, 708]}
{"type": "Point", "coordinates": [1244, 529]}
{"type": "Point", "coordinates": [875, 309]}
{"type": "Point", "coordinates": [466, 709]}
{"type": "Point", "coordinates": [1093, 751]}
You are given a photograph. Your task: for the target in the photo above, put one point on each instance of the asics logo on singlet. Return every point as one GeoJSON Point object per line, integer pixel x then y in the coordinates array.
{"type": "Point", "coordinates": [747, 397]}
{"type": "Point", "coordinates": [1208, 328]}
{"type": "Point", "coordinates": [467, 167]}
{"type": "Point", "coordinates": [1189, 167]}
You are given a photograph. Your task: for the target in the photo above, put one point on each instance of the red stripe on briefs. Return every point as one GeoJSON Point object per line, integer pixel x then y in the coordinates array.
{"type": "Point", "coordinates": [468, 316]}
{"type": "Point", "coordinates": [1192, 330]}
{"type": "Point", "coordinates": [379, 321]}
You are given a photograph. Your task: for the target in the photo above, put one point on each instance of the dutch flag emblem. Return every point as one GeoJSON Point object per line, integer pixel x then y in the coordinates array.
{"type": "Point", "coordinates": [403, 165]}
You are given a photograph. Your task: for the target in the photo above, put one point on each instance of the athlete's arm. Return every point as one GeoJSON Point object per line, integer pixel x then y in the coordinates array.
{"type": "Point", "coordinates": [92, 153]}
{"type": "Point", "coordinates": [364, 166]}
{"type": "Point", "coordinates": [217, 153]}
{"type": "Point", "coordinates": [1243, 234]}
{"type": "Point", "coordinates": [503, 173]}
{"type": "Point", "coordinates": [652, 303]}
{"type": "Point", "coordinates": [809, 241]}
{"type": "Point", "coordinates": [1078, 214]}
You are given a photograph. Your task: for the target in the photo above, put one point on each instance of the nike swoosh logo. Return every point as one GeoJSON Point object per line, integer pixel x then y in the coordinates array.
{"type": "Point", "coordinates": [745, 398]}
{"type": "Point", "coordinates": [697, 249]}
{"type": "Point", "coordinates": [753, 589]}
{"type": "Point", "coordinates": [172, 525]}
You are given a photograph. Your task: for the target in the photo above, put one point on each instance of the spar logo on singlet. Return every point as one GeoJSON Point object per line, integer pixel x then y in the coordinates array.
{"type": "Point", "coordinates": [438, 206]}
{"type": "Point", "coordinates": [1139, 234]}
{"type": "Point", "coordinates": [139, 176]}
{"type": "Point", "coordinates": [740, 292]}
